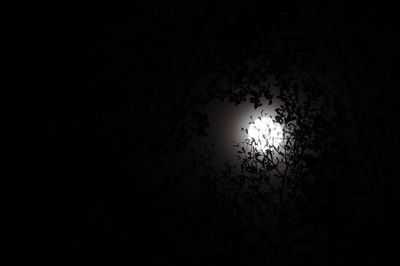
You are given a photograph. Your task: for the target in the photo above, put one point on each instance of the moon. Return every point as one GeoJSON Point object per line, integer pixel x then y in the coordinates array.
{"type": "Point", "coordinates": [265, 134]}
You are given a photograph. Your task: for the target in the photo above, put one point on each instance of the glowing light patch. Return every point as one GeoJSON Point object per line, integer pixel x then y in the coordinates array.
{"type": "Point", "coordinates": [265, 134]}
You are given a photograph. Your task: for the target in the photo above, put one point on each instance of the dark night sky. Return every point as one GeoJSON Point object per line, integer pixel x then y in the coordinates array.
{"type": "Point", "coordinates": [107, 107]}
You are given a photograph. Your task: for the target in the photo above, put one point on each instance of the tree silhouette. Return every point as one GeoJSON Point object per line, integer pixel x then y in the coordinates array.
{"type": "Point", "coordinates": [272, 187]}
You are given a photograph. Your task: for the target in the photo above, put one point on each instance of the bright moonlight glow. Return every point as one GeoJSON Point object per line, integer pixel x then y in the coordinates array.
{"type": "Point", "coordinates": [265, 134]}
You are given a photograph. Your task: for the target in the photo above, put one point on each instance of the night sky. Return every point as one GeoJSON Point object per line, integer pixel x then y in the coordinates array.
{"type": "Point", "coordinates": [130, 117]}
